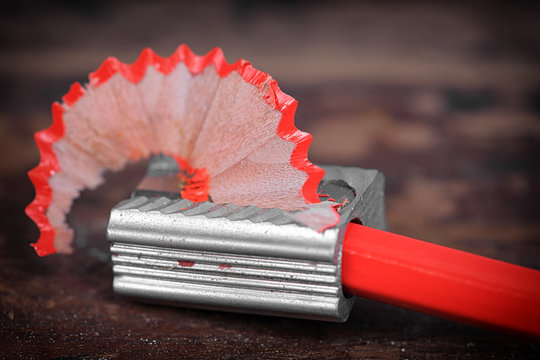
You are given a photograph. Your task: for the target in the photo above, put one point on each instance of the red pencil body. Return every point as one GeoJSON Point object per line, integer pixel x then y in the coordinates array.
{"type": "Point", "coordinates": [444, 282]}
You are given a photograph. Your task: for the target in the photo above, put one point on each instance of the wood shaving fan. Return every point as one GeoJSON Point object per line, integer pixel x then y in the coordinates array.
{"type": "Point", "coordinates": [229, 127]}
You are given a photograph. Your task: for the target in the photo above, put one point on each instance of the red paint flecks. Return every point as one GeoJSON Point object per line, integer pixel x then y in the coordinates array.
{"type": "Point", "coordinates": [326, 196]}
{"type": "Point", "coordinates": [224, 266]}
{"type": "Point", "coordinates": [194, 183]}
{"type": "Point", "coordinates": [134, 73]}
{"type": "Point", "coordinates": [184, 263]}
{"type": "Point", "coordinates": [340, 205]}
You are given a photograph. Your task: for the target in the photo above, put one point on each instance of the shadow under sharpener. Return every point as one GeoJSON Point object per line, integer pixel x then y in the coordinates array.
{"type": "Point", "coordinates": [242, 259]}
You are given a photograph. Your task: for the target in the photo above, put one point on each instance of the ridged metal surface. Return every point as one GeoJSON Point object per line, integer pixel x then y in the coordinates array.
{"type": "Point", "coordinates": [209, 210]}
{"type": "Point", "coordinates": [233, 258]}
{"type": "Point", "coordinates": [224, 272]}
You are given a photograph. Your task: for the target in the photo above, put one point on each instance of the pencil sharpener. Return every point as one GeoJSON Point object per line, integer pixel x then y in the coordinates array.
{"type": "Point", "coordinates": [246, 259]}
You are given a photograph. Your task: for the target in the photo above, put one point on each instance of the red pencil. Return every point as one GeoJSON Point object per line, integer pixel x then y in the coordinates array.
{"type": "Point", "coordinates": [440, 281]}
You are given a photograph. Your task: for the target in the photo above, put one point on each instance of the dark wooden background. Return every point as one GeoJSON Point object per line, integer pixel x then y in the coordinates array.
{"type": "Point", "coordinates": [443, 98]}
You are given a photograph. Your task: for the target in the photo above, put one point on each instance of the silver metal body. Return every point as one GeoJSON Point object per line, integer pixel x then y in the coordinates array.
{"type": "Point", "coordinates": [242, 259]}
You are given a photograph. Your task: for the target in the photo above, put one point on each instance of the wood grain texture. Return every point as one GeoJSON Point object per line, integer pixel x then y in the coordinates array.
{"type": "Point", "coordinates": [444, 99]}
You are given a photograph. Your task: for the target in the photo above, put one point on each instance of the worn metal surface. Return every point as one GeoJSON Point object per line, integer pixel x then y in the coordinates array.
{"type": "Point", "coordinates": [242, 259]}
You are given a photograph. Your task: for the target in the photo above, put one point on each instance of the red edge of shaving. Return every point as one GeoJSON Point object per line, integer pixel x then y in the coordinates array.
{"type": "Point", "coordinates": [134, 73]}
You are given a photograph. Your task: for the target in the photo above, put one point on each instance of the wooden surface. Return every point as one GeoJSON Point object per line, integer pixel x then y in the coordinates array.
{"type": "Point", "coordinates": [444, 99]}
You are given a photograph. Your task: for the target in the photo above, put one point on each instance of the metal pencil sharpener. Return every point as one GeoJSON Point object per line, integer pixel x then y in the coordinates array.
{"type": "Point", "coordinates": [231, 258]}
